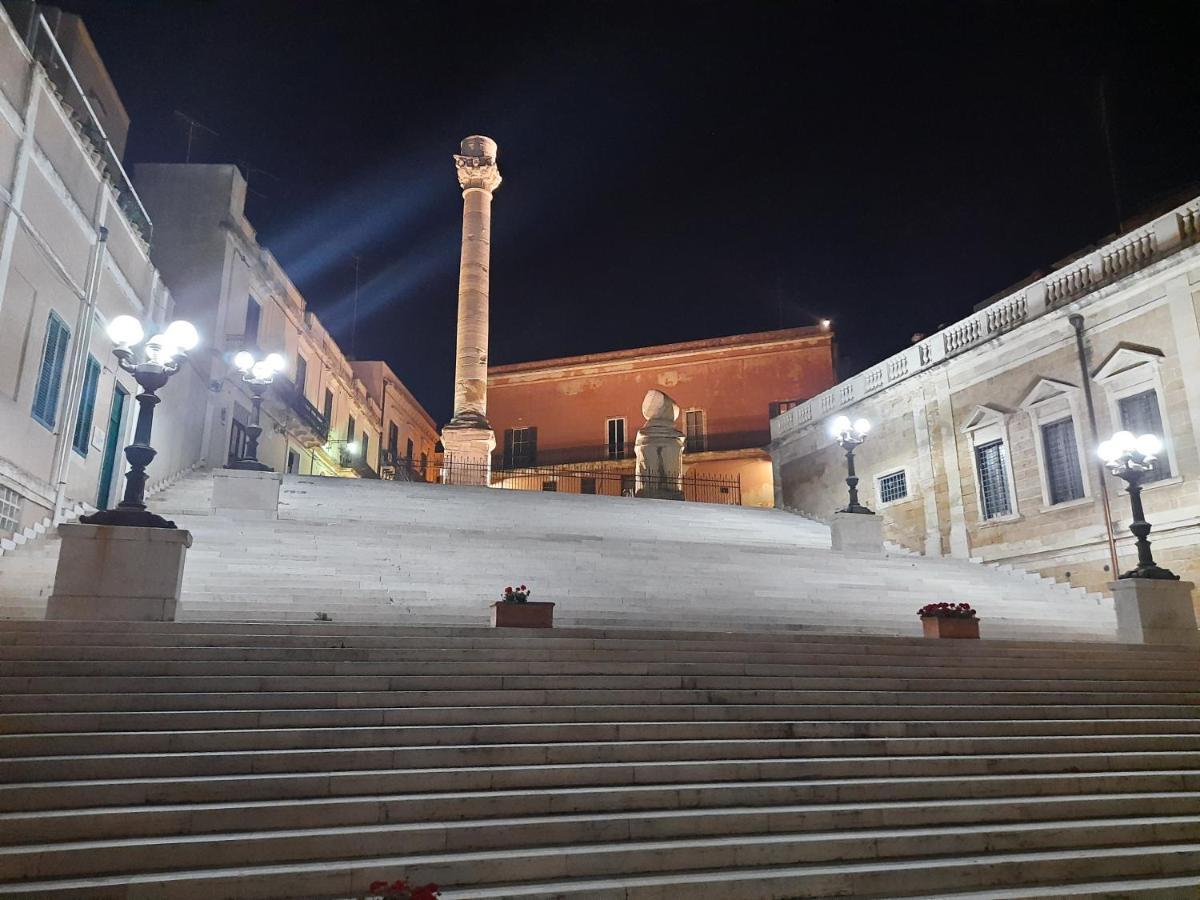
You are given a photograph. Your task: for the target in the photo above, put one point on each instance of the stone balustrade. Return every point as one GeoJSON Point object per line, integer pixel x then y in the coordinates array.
{"type": "Point", "coordinates": [1128, 253]}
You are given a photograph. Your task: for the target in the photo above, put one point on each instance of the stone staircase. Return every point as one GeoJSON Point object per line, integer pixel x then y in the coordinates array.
{"type": "Point", "coordinates": [200, 761]}
{"type": "Point", "coordinates": [370, 551]}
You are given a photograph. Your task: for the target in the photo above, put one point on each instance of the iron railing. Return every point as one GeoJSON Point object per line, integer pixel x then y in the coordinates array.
{"type": "Point", "coordinates": [311, 426]}
{"type": "Point", "coordinates": [697, 488]}
{"type": "Point", "coordinates": [574, 456]}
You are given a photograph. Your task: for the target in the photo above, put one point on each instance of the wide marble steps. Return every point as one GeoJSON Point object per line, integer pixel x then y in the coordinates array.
{"type": "Point", "coordinates": [369, 551]}
{"type": "Point", "coordinates": [222, 760]}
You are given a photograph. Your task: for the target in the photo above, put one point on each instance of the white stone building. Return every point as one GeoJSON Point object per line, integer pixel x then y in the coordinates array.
{"type": "Point", "coordinates": [983, 445]}
{"type": "Point", "coordinates": [66, 410]}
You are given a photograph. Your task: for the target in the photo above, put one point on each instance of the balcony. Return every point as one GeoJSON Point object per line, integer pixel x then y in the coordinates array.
{"type": "Point", "coordinates": [302, 420]}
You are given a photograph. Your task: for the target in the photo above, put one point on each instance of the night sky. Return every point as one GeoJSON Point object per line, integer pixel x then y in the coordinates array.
{"type": "Point", "coordinates": [672, 171]}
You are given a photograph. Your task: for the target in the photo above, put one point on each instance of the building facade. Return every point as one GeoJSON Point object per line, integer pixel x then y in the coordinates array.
{"type": "Point", "coordinates": [587, 409]}
{"type": "Point", "coordinates": [408, 439]}
{"type": "Point", "coordinates": [79, 246]}
{"type": "Point", "coordinates": [985, 434]}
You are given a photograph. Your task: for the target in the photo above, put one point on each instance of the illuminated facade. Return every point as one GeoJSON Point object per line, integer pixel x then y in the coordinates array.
{"type": "Point", "coordinates": [587, 409]}
{"type": "Point", "coordinates": [983, 444]}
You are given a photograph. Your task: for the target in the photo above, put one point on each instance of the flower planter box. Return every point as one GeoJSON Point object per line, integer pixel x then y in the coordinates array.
{"type": "Point", "coordinates": [936, 627]}
{"type": "Point", "coordinates": [522, 615]}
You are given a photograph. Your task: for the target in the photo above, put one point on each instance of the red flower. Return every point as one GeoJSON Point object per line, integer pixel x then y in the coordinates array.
{"type": "Point", "coordinates": [508, 590]}
{"type": "Point", "coordinates": [523, 587]}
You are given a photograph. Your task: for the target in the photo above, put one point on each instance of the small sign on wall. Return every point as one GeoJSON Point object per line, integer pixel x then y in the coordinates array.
{"type": "Point", "coordinates": [97, 437]}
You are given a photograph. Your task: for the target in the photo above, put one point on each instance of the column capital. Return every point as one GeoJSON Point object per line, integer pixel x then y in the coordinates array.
{"type": "Point", "coordinates": [476, 164]}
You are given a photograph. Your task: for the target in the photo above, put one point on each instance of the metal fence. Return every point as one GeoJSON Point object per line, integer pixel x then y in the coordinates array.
{"type": "Point", "coordinates": [723, 489]}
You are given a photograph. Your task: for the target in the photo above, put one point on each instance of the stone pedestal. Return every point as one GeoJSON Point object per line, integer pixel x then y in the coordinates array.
{"type": "Point", "coordinates": [856, 532]}
{"type": "Point", "coordinates": [658, 449]}
{"type": "Point", "coordinates": [109, 572]}
{"type": "Point", "coordinates": [246, 493]}
{"type": "Point", "coordinates": [468, 454]}
{"type": "Point", "coordinates": [1155, 611]}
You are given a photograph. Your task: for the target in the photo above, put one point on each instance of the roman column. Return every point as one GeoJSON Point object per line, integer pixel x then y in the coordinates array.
{"type": "Point", "coordinates": [468, 439]}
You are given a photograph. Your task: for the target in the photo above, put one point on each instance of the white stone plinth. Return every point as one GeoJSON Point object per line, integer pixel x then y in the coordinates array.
{"type": "Point", "coordinates": [658, 449]}
{"type": "Point", "coordinates": [109, 572]}
{"type": "Point", "coordinates": [246, 494]}
{"type": "Point", "coordinates": [468, 454]}
{"type": "Point", "coordinates": [856, 532]}
{"type": "Point", "coordinates": [1155, 611]}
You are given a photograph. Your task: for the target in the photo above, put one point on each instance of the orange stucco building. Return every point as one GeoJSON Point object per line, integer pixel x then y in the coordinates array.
{"type": "Point", "coordinates": [587, 409]}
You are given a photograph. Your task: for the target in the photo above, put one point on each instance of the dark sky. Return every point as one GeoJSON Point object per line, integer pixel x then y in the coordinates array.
{"type": "Point", "coordinates": [672, 171]}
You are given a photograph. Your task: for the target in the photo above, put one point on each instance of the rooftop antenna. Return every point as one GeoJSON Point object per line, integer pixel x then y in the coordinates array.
{"type": "Point", "coordinates": [192, 125]}
{"type": "Point", "coordinates": [251, 171]}
{"type": "Point", "coordinates": [354, 315]}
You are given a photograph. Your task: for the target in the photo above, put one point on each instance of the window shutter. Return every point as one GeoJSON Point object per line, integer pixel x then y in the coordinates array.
{"type": "Point", "coordinates": [531, 453]}
{"type": "Point", "coordinates": [45, 398]}
{"type": "Point", "coordinates": [508, 448]}
{"type": "Point", "coordinates": [87, 407]}
{"type": "Point", "coordinates": [1062, 461]}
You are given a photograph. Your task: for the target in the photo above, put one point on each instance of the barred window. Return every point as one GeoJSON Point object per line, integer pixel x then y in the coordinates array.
{"type": "Point", "coordinates": [993, 482]}
{"type": "Point", "coordinates": [616, 438]}
{"type": "Point", "coordinates": [10, 509]}
{"type": "Point", "coordinates": [520, 447]}
{"type": "Point", "coordinates": [1139, 414]}
{"type": "Point", "coordinates": [1061, 455]}
{"type": "Point", "coordinates": [893, 486]}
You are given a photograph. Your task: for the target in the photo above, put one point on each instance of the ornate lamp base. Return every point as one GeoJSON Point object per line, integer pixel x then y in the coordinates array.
{"type": "Point", "coordinates": [127, 517]}
{"type": "Point", "coordinates": [1151, 571]}
{"type": "Point", "coordinates": [250, 464]}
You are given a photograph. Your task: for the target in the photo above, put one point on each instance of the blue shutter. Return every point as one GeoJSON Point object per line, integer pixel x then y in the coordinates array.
{"type": "Point", "coordinates": [45, 398]}
{"type": "Point", "coordinates": [87, 407]}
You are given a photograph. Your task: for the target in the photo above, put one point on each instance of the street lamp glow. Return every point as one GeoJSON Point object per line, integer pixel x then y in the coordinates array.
{"type": "Point", "coordinates": [276, 362]}
{"type": "Point", "coordinates": [125, 331]}
{"type": "Point", "coordinates": [182, 334]}
{"type": "Point", "coordinates": [825, 323]}
{"type": "Point", "coordinates": [839, 426]}
{"type": "Point", "coordinates": [352, 448]}
{"type": "Point", "coordinates": [262, 370]}
{"type": "Point", "coordinates": [1132, 460]}
{"type": "Point", "coordinates": [862, 426]}
{"type": "Point", "coordinates": [244, 361]}
{"type": "Point", "coordinates": [1149, 445]}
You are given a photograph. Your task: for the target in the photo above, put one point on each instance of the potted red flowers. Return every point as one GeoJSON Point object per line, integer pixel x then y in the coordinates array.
{"type": "Point", "coordinates": [949, 620]}
{"type": "Point", "coordinates": [402, 890]}
{"type": "Point", "coordinates": [515, 610]}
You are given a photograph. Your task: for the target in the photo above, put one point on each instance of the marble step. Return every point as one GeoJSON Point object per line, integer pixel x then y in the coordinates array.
{"type": "Point", "coordinates": [585, 867]}
{"type": "Point", "coordinates": [240, 785]}
{"type": "Point", "coordinates": [818, 804]}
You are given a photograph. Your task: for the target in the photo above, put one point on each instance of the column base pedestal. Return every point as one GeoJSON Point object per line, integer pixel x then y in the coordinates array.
{"type": "Point", "coordinates": [1155, 611]}
{"type": "Point", "coordinates": [856, 532]}
{"type": "Point", "coordinates": [468, 454]}
{"type": "Point", "coordinates": [115, 573]}
{"type": "Point", "coordinates": [246, 493]}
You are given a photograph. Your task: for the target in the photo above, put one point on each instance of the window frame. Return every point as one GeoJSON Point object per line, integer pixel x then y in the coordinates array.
{"type": "Point", "coordinates": [888, 473]}
{"type": "Point", "coordinates": [1128, 371]}
{"type": "Point", "coordinates": [1050, 401]}
{"type": "Point", "coordinates": [687, 437]}
{"type": "Point", "coordinates": [86, 414]}
{"type": "Point", "coordinates": [54, 324]}
{"type": "Point", "coordinates": [986, 425]}
{"type": "Point", "coordinates": [623, 452]}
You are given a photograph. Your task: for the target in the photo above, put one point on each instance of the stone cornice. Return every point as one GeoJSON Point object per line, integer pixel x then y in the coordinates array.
{"type": "Point", "coordinates": [663, 354]}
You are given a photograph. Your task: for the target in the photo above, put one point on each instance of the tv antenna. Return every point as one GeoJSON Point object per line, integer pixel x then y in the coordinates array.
{"type": "Point", "coordinates": [193, 125]}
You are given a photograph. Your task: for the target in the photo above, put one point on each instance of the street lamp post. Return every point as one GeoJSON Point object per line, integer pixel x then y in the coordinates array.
{"type": "Point", "coordinates": [160, 360]}
{"type": "Point", "coordinates": [849, 436]}
{"type": "Point", "coordinates": [1132, 459]}
{"type": "Point", "coordinates": [258, 374]}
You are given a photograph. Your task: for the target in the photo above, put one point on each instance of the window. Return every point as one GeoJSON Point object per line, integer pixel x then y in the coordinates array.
{"type": "Point", "coordinates": [238, 440]}
{"type": "Point", "coordinates": [587, 485]}
{"type": "Point", "coordinates": [1055, 411]}
{"type": "Point", "coordinates": [349, 429]}
{"type": "Point", "coordinates": [1064, 480]}
{"type": "Point", "coordinates": [616, 438]}
{"type": "Point", "coordinates": [1140, 414]}
{"type": "Point", "coordinates": [87, 407]}
{"type": "Point", "coordinates": [393, 439]}
{"type": "Point", "coordinates": [697, 437]}
{"type": "Point", "coordinates": [366, 442]}
{"type": "Point", "coordinates": [778, 407]}
{"type": "Point", "coordinates": [424, 464]}
{"type": "Point", "coordinates": [10, 509]}
{"type": "Point", "coordinates": [253, 318]}
{"type": "Point", "coordinates": [551, 486]}
{"type": "Point", "coordinates": [408, 450]}
{"type": "Point", "coordinates": [892, 487]}
{"type": "Point", "coordinates": [993, 480]}
{"type": "Point", "coordinates": [301, 374]}
{"type": "Point", "coordinates": [520, 447]}
{"type": "Point", "coordinates": [54, 351]}
{"type": "Point", "coordinates": [328, 406]}
{"type": "Point", "coordinates": [293, 462]}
